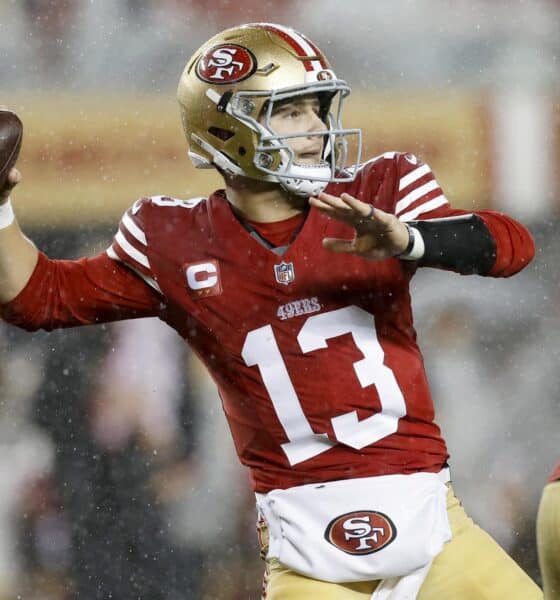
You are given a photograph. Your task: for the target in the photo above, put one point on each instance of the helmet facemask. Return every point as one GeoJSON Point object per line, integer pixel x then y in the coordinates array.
{"type": "Point", "coordinates": [273, 156]}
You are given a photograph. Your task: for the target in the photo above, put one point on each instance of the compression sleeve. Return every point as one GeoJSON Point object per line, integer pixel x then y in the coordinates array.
{"type": "Point", "coordinates": [462, 243]}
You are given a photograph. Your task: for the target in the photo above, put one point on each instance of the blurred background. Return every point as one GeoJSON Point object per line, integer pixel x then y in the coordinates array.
{"type": "Point", "coordinates": [117, 476]}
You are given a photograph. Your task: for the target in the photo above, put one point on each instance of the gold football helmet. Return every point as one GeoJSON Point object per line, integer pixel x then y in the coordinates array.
{"type": "Point", "coordinates": [227, 94]}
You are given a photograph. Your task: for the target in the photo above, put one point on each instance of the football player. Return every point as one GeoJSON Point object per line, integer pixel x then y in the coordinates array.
{"type": "Point", "coordinates": [292, 285]}
{"type": "Point", "coordinates": [548, 535]}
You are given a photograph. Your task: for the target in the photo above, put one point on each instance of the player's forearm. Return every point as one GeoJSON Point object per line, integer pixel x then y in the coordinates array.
{"type": "Point", "coordinates": [18, 257]}
{"type": "Point", "coordinates": [461, 243]}
{"type": "Point", "coordinates": [486, 243]}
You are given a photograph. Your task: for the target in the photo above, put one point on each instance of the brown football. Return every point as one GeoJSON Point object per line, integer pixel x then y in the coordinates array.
{"type": "Point", "coordinates": [11, 134]}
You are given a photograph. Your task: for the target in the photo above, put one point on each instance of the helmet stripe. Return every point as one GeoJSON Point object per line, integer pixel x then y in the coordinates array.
{"type": "Point", "coordinates": [301, 45]}
{"type": "Point", "coordinates": [315, 49]}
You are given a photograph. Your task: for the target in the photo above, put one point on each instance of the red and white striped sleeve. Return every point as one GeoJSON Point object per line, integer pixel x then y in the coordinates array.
{"type": "Point", "coordinates": [130, 245]}
{"type": "Point", "coordinates": [418, 196]}
{"type": "Point", "coordinates": [418, 191]}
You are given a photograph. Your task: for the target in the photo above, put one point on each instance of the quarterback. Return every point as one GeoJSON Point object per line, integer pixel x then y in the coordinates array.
{"type": "Point", "coordinates": [548, 535]}
{"type": "Point", "coordinates": [292, 285]}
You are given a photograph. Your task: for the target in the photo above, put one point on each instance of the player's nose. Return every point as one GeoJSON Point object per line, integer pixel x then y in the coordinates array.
{"type": "Point", "coordinates": [315, 123]}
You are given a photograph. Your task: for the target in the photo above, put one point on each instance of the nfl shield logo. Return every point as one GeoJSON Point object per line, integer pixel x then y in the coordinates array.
{"type": "Point", "coordinates": [284, 273]}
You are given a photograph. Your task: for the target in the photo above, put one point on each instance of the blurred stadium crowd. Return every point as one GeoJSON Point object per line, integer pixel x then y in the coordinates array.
{"type": "Point", "coordinates": [117, 475]}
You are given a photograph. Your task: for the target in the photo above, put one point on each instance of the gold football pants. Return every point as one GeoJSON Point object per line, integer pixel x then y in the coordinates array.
{"type": "Point", "coordinates": [471, 566]}
{"type": "Point", "coordinates": [548, 540]}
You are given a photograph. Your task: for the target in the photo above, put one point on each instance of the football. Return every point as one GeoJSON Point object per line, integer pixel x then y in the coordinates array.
{"type": "Point", "coordinates": [11, 134]}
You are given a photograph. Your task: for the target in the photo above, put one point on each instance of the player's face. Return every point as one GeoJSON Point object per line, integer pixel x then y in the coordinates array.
{"type": "Point", "coordinates": [300, 115]}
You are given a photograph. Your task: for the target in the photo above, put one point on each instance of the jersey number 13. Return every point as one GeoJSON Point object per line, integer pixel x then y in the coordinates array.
{"type": "Point", "coordinates": [261, 349]}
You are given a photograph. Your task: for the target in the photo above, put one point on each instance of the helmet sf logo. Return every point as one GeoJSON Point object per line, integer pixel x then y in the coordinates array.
{"type": "Point", "coordinates": [227, 63]}
{"type": "Point", "coordinates": [361, 532]}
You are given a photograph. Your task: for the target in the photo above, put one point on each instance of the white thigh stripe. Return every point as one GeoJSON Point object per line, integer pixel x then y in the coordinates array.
{"type": "Point", "coordinates": [133, 229]}
{"type": "Point", "coordinates": [415, 194]}
{"type": "Point", "coordinates": [413, 176]}
{"type": "Point", "coordinates": [131, 250]}
{"type": "Point", "coordinates": [358, 167]}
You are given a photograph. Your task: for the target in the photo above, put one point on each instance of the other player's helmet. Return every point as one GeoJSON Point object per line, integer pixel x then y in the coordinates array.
{"type": "Point", "coordinates": [227, 94]}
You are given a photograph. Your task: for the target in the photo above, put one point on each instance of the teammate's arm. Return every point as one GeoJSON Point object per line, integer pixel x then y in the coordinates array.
{"type": "Point", "coordinates": [18, 255]}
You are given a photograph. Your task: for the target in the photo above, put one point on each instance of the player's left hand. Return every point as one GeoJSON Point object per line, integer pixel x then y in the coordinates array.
{"type": "Point", "coordinates": [379, 235]}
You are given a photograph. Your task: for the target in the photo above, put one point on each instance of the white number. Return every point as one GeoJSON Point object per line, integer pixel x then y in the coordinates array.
{"type": "Point", "coordinates": [261, 349]}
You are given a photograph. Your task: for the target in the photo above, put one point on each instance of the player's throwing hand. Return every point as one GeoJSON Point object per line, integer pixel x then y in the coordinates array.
{"type": "Point", "coordinates": [379, 235]}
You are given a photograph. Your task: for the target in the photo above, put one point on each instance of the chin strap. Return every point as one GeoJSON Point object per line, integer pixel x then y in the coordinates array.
{"type": "Point", "coordinates": [307, 180]}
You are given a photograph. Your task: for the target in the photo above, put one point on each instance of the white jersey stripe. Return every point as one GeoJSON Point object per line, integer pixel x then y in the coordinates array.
{"type": "Point", "coordinates": [454, 218]}
{"type": "Point", "coordinates": [133, 229]}
{"type": "Point", "coordinates": [170, 202]}
{"type": "Point", "coordinates": [131, 250]}
{"type": "Point", "coordinates": [424, 208]}
{"type": "Point", "coordinates": [413, 176]}
{"type": "Point", "coordinates": [151, 282]}
{"type": "Point", "coordinates": [359, 167]}
{"type": "Point", "coordinates": [417, 193]}
{"type": "Point", "coordinates": [112, 254]}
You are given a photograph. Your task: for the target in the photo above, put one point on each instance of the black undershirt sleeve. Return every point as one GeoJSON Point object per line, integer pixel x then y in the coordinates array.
{"type": "Point", "coordinates": [461, 243]}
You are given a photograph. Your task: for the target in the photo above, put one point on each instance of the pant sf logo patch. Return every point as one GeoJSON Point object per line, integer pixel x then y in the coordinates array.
{"type": "Point", "coordinates": [361, 532]}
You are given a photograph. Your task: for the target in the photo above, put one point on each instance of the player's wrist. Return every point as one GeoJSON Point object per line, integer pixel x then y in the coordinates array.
{"type": "Point", "coordinates": [415, 248]}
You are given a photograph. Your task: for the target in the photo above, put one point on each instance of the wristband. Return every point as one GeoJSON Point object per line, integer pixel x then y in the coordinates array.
{"type": "Point", "coordinates": [7, 216]}
{"type": "Point", "coordinates": [416, 248]}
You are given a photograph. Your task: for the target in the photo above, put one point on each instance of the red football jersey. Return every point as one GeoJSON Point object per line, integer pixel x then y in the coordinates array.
{"type": "Point", "coordinates": [314, 353]}
{"type": "Point", "coordinates": [555, 475]}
